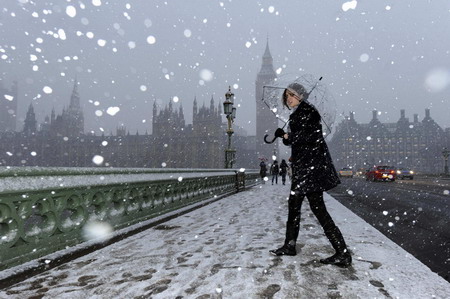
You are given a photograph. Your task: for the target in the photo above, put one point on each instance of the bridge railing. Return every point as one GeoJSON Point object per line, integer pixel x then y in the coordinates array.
{"type": "Point", "coordinates": [44, 210]}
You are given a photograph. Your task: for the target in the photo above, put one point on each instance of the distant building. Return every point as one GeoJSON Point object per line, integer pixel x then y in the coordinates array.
{"type": "Point", "coordinates": [266, 123]}
{"type": "Point", "coordinates": [30, 126]}
{"type": "Point", "coordinates": [197, 145]}
{"type": "Point", "coordinates": [8, 108]}
{"type": "Point", "coordinates": [70, 123]}
{"type": "Point", "coordinates": [414, 144]}
{"type": "Point", "coordinates": [60, 140]}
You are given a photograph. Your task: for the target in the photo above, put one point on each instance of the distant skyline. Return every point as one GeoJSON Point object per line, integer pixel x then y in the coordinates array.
{"type": "Point", "coordinates": [381, 55]}
{"type": "Point", "coordinates": [366, 119]}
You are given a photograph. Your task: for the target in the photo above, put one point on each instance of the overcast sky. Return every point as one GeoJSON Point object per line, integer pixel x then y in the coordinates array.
{"type": "Point", "coordinates": [384, 55]}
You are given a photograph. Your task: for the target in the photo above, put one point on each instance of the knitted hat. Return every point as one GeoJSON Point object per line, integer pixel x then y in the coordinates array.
{"type": "Point", "coordinates": [299, 89]}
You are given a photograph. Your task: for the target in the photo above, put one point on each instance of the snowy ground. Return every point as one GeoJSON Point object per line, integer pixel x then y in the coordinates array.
{"type": "Point", "coordinates": [221, 251]}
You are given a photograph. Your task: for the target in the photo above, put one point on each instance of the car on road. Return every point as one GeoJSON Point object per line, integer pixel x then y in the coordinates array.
{"type": "Point", "coordinates": [361, 172]}
{"type": "Point", "coordinates": [405, 173]}
{"type": "Point", "coordinates": [346, 172]}
{"type": "Point", "coordinates": [381, 173]}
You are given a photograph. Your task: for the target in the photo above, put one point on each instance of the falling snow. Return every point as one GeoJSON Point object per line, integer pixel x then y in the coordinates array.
{"type": "Point", "coordinates": [98, 159]}
{"type": "Point", "coordinates": [47, 89]}
{"type": "Point", "coordinates": [112, 110]}
{"type": "Point", "coordinates": [71, 11]}
{"type": "Point", "coordinates": [349, 5]}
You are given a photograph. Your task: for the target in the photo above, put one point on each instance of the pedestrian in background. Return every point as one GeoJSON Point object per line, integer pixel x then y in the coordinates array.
{"type": "Point", "coordinates": [263, 171]}
{"type": "Point", "coordinates": [313, 173]}
{"type": "Point", "coordinates": [283, 171]}
{"type": "Point", "coordinates": [274, 171]}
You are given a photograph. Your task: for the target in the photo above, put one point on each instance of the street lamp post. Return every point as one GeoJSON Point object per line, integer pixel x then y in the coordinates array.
{"type": "Point", "coordinates": [445, 153]}
{"type": "Point", "coordinates": [230, 113]}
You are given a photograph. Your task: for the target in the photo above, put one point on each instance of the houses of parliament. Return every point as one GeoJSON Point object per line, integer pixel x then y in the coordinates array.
{"type": "Point", "coordinates": [60, 141]}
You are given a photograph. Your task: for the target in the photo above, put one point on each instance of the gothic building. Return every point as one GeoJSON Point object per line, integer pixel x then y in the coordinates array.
{"type": "Point", "coordinates": [60, 140]}
{"type": "Point", "coordinates": [70, 123]}
{"type": "Point", "coordinates": [30, 126]}
{"type": "Point", "coordinates": [414, 144]}
{"type": "Point", "coordinates": [266, 123]}
{"type": "Point", "coordinates": [208, 135]}
{"type": "Point", "coordinates": [8, 108]}
{"type": "Point", "coordinates": [197, 145]}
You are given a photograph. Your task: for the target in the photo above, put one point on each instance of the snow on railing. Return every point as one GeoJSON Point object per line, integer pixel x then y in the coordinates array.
{"type": "Point", "coordinates": [43, 210]}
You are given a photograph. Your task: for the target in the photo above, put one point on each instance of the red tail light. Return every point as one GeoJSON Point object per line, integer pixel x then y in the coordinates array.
{"type": "Point", "coordinates": [376, 171]}
{"type": "Point", "coordinates": [392, 171]}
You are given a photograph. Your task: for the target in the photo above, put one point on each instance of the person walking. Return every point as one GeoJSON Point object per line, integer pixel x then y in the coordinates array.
{"type": "Point", "coordinates": [313, 173]}
{"type": "Point", "coordinates": [283, 171]}
{"type": "Point", "coordinates": [274, 170]}
{"type": "Point", "coordinates": [263, 171]}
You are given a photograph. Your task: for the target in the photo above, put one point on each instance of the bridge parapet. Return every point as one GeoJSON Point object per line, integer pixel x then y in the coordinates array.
{"type": "Point", "coordinates": [44, 210]}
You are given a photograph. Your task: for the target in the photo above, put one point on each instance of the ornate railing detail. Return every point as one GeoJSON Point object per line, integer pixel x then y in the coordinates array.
{"type": "Point", "coordinates": [34, 223]}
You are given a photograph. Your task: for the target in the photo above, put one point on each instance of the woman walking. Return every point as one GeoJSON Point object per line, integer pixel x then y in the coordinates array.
{"type": "Point", "coordinates": [263, 171]}
{"type": "Point", "coordinates": [313, 173]}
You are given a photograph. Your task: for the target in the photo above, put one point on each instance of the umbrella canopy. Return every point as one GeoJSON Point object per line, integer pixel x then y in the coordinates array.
{"type": "Point", "coordinates": [318, 95]}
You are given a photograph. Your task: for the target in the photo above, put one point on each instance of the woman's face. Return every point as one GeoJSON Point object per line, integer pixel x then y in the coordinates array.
{"type": "Point", "coordinates": [292, 99]}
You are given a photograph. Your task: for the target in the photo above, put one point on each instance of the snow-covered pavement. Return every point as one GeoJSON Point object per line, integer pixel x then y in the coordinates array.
{"type": "Point", "coordinates": [221, 251]}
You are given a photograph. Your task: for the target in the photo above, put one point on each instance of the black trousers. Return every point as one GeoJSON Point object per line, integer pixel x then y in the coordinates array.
{"type": "Point", "coordinates": [283, 177]}
{"type": "Point", "coordinates": [275, 177]}
{"type": "Point", "coordinates": [317, 207]}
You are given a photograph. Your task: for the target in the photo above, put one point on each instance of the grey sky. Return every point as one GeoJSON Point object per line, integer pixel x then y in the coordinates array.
{"type": "Point", "coordinates": [384, 55]}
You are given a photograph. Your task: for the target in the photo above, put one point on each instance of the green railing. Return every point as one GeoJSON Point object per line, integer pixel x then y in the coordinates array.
{"type": "Point", "coordinates": [44, 210]}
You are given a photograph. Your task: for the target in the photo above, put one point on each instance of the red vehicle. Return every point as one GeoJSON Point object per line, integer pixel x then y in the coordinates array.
{"type": "Point", "coordinates": [381, 173]}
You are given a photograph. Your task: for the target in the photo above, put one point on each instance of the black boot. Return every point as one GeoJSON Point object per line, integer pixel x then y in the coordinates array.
{"type": "Point", "coordinates": [285, 250]}
{"type": "Point", "coordinates": [342, 257]}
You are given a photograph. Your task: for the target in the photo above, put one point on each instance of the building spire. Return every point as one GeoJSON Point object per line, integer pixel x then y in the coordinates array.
{"type": "Point", "coordinates": [374, 115]}
{"type": "Point", "coordinates": [30, 121]}
{"type": "Point", "coordinates": [74, 119]}
{"type": "Point", "coordinates": [194, 107]}
{"type": "Point", "coordinates": [75, 97]}
{"type": "Point", "coordinates": [155, 110]}
{"type": "Point", "coordinates": [267, 63]}
{"type": "Point", "coordinates": [180, 111]}
{"type": "Point", "coordinates": [267, 51]}
{"type": "Point", "coordinates": [211, 104]}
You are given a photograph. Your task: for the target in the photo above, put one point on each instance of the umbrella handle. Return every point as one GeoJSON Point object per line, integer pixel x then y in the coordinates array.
{"type": "Point", "coordinates": [269, 142]}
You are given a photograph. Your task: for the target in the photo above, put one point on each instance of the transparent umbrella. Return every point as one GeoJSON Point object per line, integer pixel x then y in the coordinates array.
{"type": "Point", "coordinates": [318, 95]}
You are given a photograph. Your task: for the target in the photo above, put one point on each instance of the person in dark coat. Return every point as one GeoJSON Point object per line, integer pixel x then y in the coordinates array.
{"type": "Point", "coordinates": [313, 173]}
{"type": "Point", "coordinates": [262, 171]}
{"type": "Point", "coordinates": [274, 171]}
{"type": "Point", "coordinates": [283, 171]}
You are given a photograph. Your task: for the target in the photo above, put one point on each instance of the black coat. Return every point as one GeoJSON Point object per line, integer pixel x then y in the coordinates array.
{"type": "Point", "coordinates": [263, 169]}
{"type": "Point", "coordinates": [283, 168]}
{"type": "Point", "coordinates": [274, 169]}
{"type": "Point", "coordinates": [312, 167]}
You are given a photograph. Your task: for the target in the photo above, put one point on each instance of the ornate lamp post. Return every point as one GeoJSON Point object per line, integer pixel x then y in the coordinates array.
{"type": "Point", "coordinates": [445, 153]}
{"type": "Point", "coordinates": [230, 113]}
